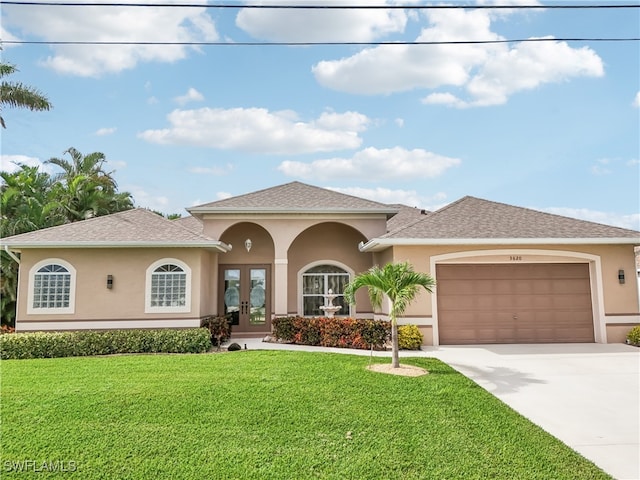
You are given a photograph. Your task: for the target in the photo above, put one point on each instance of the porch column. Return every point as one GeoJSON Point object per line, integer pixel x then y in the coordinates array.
{"type": "Point", "coordinates": [280, 286]}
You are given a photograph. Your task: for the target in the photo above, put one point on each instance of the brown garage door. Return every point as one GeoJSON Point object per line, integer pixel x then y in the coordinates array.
{"type": "Point", "coordinates": [524, 303]}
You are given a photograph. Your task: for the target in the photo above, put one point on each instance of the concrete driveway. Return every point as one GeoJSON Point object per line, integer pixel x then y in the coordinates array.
{"type": "Point", "coordinates": [587, 395]}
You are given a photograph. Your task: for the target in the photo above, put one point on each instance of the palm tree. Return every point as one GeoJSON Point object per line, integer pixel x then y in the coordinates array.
{"type": "Point", "coordinates": [398, 282]}
{"type": "Point", "coordinates": [90, 165]}
{"type": "Point", "coordinates": [18, 95]}
{"type": "Point", "coordinates": [85, 188]}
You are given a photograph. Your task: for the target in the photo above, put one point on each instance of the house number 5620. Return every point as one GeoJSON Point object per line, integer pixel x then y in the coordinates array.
{"type": "Point", "coordinates": [515, 258]}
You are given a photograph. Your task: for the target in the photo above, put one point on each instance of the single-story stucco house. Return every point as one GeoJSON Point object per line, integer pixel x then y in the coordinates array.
{"type": "Point", "coordinates": [504, 274]}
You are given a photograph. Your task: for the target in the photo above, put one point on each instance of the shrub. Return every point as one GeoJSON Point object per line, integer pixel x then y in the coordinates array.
{"type": "Point", "coordinates": [332, 332]}
{"type": "Point", "coordinates": [284, 328]}
{"type": "Point", "coordinates": [409, 337]}
{"type": "Point", "coordinates": [86, 342]}
{"type": "Point", "coordinates": [633, 337]}
{"type": "Point", "coordinates": [219, 329]}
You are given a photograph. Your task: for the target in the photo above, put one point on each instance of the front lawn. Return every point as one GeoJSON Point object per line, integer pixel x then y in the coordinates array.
{"type": "Point", "coordinates": [266, 414]}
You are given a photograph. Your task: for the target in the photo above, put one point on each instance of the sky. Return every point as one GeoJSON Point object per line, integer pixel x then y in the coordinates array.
{"type": "Point", "coordinates": [552, 125]}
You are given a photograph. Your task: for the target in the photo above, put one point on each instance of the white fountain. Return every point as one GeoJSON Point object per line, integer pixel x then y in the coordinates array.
{"type": "Point", "coordinates": [329, 308]}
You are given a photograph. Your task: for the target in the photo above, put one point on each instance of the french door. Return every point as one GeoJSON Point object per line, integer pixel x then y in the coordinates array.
{"type": "Point", "coordinates": [245, 297]}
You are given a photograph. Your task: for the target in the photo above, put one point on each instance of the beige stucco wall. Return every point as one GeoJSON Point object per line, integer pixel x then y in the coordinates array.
{"type": "Point", "coordinates": [619, 299]}
{"type": "Point", "coordinates": [332, 242]}
{"type": "Point", "coordinates": [126, 300]}
{"type": "Point", "coordinates": [284, 229]}
{"type": "Point", "coordinates": [620, 302]}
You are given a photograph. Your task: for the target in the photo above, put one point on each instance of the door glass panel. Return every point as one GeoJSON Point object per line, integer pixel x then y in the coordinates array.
{"type": "Point", "coordinates": [232, 295]}
{"type": "Point", "coordinates": [257, 296]}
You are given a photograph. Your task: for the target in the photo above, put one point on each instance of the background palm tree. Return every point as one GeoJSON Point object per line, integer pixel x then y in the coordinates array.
{"type": "Point", "coordinates": [17, 95]}
{"type": "Point", "coordinates": [400, 284]}
{"type": "Point", "coordinates": [85, 188]}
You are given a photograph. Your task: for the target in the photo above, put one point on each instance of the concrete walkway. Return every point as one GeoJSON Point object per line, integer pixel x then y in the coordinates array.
{"type": "Point", "coordinates": [586, 395]}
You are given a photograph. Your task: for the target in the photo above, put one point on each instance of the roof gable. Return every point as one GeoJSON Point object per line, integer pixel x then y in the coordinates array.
{"type": "Point", "coordinates": [137, 227]}
{"type": "Point", "coordinates": [475, 218]}
{"type": "Point", "coordinates": [294, 197]}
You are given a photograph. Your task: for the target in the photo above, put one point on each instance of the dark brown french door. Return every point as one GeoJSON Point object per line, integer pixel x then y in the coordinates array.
{"type": "Point", "coordinates": [245, 296]}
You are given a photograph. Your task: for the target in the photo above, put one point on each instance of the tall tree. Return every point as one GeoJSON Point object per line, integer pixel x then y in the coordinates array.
{"type": "Point", "coordinates": [400, 284]}
{"type": "Point", "coordinates": [26, 204]}
{"type": "Point", "coordinates": [85, 188]}
{"type": "Point", "coordinates": [18, 95]}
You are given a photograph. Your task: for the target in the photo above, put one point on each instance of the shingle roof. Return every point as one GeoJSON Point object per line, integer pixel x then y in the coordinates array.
{"type": "Point", "coordinates": [405, 216]}
{"type": "Point", "coordinates": [294, 197]}
{"type": "Point", "coordinates": [137, 227]}
{"type": "Point", "coordinates": [474, 218]}
{"type": "Point", "coordinates": [191, 223]}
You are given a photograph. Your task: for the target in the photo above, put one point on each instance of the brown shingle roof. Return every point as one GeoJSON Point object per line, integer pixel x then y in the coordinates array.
{"type": "Point", "coordinates": [405, 216]}
{"type": "Point", "coordinates": [294, 197]}
{"type": "Point", "coordinates": [191, 223]}
{"type": "Point", "coordinates": [474, 218]}
{"type": "Point", "coordinates": [137, 227]}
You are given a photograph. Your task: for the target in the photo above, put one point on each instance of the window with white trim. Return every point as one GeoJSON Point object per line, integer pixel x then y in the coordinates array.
{"type": "Point", "coordinates": [51, 287]}
{"type": "Point", "coordinates": [316, 283]}
{"type": "Point", "coordinates": [168, 287]}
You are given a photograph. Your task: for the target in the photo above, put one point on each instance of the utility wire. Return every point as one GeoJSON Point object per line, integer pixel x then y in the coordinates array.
{"type": "Point", "coordinates": [303, 44]}
{"type": "Point", "coordinates": [319, 7]}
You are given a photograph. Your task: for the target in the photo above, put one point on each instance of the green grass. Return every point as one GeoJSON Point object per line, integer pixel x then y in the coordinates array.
{"type": "Point", "coordinates": [261, 415]}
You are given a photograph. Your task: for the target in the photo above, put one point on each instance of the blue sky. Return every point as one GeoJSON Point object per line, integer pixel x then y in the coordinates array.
{"type": "Point", "coordinates": [550, 125]}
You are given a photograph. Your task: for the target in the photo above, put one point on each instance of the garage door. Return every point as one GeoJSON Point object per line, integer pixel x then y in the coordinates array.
{"type": "Point", "coordinates": [524, 303]}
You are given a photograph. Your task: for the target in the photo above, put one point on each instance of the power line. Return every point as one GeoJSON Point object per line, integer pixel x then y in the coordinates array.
{"type": "Point", "coordinates": [319, 7]}
{"type": "Point", "coordinates": [306, 44]}
{"type": "Point", "coordinates": [303, 44]}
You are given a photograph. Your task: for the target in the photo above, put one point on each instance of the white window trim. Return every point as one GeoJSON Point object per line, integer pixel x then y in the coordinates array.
{"type": "Point", "coordinates": [72, 289]}
{"type": "Point", "coordinates": [147, 289]}
{"type": "Point", "coordinates": [303, 270]}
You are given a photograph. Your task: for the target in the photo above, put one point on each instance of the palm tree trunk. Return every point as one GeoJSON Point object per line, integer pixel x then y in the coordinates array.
{"type": "Point", "coordinates": [395, 360]}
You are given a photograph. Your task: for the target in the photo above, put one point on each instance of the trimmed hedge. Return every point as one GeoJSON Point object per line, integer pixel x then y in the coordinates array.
{"type": "Point", "coordinates": [87, 342]}
{"type": "Point", "coordinates": [341, 332]}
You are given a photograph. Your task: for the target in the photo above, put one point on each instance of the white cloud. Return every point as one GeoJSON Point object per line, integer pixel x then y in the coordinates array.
{"type": "Point", "coordinates": [297, 25]}
{"type": "Point", "coordinates": [192, 95]}
{"type": "Point", "coordinates": [145, 199]}
{"type": "Point", "coordinates": [152, 100]}
{"type": "Point", "coordinates": [631, 221]}
{"type": "Point", "coordinates": [633, 162]}
{"type": "Point", "coordinates": [259, 130]}
{"type": "Point", "coordinates": [7, 36]}
{"type": "Point", "coordinates": [9, 163]}
{"type": "Point", "coordinates": [105, 131]}
{"type": "Point", "coordinates": [106, 24]}
{"type": "Point", "coordinates": [373, 164]}
{"type": "Point", "coordinates": [489, 73]}
{"type": "Point", "coordinates": [399, 122]}
{"type": "Point", "coordinates": [410, 198]}
{"type": "Point", "coordinates": [636, 101]}
{"type": "Point", "coordinates": [600, 168]}
{"type": "Point", "coordinates": [117, 164]}
{"type": "Point", "coordinates": [225, 170]}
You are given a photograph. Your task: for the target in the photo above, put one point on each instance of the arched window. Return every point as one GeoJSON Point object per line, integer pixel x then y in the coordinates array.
{"type": "Point", "coordinates": [52, 287]}
{"type": "Point", "coordinates": [168, 287]}
{"type": "Point", "coordinates": [316, 283]}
